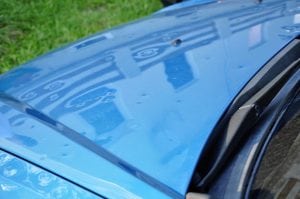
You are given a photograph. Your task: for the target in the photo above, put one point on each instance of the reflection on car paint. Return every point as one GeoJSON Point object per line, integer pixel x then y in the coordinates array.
{"type": "Point", "coordinates": [63, 150]}
{"type": "Point", "coordinates": [19, 179]}
{"type": "Point", "coordinates": [102, 96]}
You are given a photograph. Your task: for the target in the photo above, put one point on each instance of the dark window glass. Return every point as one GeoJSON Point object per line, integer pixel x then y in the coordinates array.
{"type": "Point", "coordinates": [279, 173]}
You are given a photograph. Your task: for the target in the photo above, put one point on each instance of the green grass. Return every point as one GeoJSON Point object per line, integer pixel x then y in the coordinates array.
{"type": "Point", "coordinates": [29, 28]}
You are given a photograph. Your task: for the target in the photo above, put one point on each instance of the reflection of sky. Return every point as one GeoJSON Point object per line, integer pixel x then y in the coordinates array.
{"type": "Point", "coordinates": [151, 103]}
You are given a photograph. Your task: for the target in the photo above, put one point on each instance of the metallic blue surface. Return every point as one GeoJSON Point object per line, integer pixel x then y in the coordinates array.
{"type": "Point", "coordinates": [49, 149]}
{"type": "Point", "coordinates": [148, 93]}
{"type": "Point", "coordinates": [20, 179]}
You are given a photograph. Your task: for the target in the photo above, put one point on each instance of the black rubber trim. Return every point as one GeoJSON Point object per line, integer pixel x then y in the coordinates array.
{"type": "Point", "coordinates": [214, 149]}
{"type": "Point", "coordinates": [291, 110]}
{"type": "Point", "coordinates": [170, 2]}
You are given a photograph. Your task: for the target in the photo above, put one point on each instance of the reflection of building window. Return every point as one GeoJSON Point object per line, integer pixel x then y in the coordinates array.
{"type": "Point", "coordinates": [178, 71]}
{"type": "Point", "coordinates": [104, 117]}
{"type": "Point", "coordinates": [297, 19]}
{"type": "Point", "coordinates": [255, 38]}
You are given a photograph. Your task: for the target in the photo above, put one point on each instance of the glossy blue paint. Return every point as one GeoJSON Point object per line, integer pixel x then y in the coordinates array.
{"type": "Point", "coordinates": [60, 155]}
{"type": "Point", "coordinates": [20, 179]}
{"type": "Point", "coordinates": [128, 111]}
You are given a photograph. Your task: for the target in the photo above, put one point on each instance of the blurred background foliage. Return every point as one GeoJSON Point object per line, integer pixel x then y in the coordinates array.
{"type": "Point", "coordinates": [29, 28]}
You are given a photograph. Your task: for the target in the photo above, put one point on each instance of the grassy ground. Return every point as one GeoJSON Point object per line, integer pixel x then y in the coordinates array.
{"type": "Point", "coordinates": [29, 28]}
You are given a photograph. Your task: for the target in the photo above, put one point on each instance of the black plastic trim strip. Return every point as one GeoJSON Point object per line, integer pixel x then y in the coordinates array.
{"type": "Point", "coordinates": [291, 110]}
{"type": "Point", "coordinates": [217, 151]}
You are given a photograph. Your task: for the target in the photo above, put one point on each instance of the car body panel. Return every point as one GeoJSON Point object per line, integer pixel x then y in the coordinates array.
{"type": "Point", "coordinates": [51, 150]}
{"type": "Point", "coordinates": [149, 97]}
{"type": "Point", "coordinates": [20, 179]}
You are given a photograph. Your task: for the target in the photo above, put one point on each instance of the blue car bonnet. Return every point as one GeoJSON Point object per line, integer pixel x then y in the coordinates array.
{"type": "Point", "coordinates": [126, 113]}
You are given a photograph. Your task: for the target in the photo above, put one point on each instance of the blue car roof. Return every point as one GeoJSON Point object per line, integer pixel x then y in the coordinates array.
{"type": "Point", "coordinates": [130, 110]}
